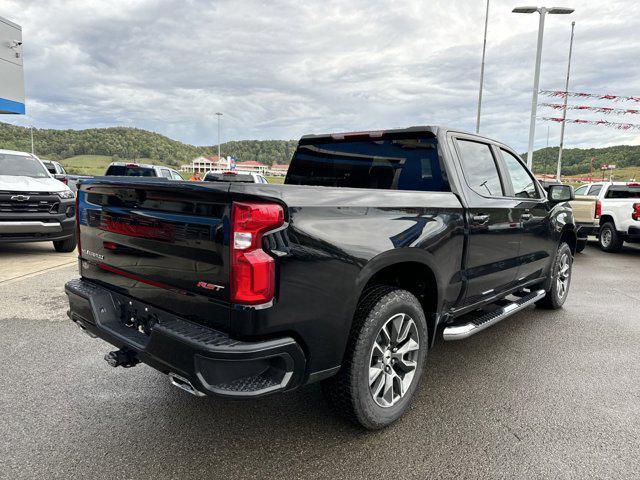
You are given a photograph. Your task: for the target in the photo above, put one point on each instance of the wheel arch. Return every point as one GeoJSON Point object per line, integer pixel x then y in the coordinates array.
{"type": "Point", "coordinates": [410, 270]}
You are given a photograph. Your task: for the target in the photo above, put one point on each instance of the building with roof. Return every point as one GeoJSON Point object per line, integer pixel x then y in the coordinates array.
{"type": "Point", "coordinates": [251, 166]}
{"type": "Point", "coordinates": [206, 164]}
{"type": "Point", "coordinates": [278, 170]}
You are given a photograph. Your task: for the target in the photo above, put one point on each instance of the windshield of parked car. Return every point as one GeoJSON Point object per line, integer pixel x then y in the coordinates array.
{"type": "Point", "coordinates": [50, 166]}
{"type": "Point", "coordinates": [130, 171]}
{"type": "Point", "coordinates": [402, 163]}
{"type": "Point", "coordinates": [21, 166]}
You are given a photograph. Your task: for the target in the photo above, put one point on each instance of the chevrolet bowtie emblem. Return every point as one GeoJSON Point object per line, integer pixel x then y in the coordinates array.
{"type": "Point", "coordinates": [20, 198]}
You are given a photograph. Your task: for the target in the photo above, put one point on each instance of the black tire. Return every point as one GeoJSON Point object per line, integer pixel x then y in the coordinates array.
{"type": "Point", "coordinates": [349, 391]}
{"type": "Point", "coordinates": [65, 246]}
{"type": "Point", "coordinates": [581, 245]}
{"type": "Point", "coordinates": [559, 289]}
{"type": "Point", "coordinates": [609, 239]}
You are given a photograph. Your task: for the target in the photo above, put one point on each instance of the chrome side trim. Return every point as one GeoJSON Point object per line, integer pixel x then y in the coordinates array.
{"type": "Point", "coordinates": [460, 332]}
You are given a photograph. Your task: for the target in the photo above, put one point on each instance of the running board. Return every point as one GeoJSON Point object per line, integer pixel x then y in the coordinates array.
{"type": "Point", "coordinates": [464, 330]}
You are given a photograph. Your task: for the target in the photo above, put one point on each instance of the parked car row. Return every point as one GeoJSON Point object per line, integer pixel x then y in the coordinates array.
{"type": "Point", "coordinates": [616, 212]}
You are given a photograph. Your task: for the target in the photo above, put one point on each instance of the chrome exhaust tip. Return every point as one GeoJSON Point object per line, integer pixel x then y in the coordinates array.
{"type": "Point", "coordinates": [184, 384]}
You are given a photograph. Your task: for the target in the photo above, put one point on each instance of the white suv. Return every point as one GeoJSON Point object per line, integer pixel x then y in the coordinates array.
{"type": "Point", "coordinates": [34, 206]}
{"type": "Point", "coordinates": [618, 205]}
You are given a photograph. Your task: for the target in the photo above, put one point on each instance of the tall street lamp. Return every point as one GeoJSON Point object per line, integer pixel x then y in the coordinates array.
{"type": "Point", "coordinates": [536, 76]}
{"type": "Point", "coordinates": [484, 50]}
{"type": "Point", "coordinates": [218, 114]}
{"type": "Point", "coordinates": [564, 109]}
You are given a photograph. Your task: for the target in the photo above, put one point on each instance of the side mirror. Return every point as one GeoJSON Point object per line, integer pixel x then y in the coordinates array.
{"type": "Point", "coordinates": [561, 193]}
{"type": "Point", "coordinates": [61, 177]}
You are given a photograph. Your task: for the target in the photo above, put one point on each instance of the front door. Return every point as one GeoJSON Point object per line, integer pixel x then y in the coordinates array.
{"type": "Point", "coordinates": [494, 237]}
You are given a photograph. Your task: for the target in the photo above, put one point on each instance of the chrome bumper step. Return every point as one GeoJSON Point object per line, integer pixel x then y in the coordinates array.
{"type": "Point", "coordinates": [465, 329]}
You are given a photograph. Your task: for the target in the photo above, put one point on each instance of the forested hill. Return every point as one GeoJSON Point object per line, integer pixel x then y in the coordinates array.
{"type": "Point", "coordinates": [134, 143]}
{"type": "Point", "coordinates": [576, 161]}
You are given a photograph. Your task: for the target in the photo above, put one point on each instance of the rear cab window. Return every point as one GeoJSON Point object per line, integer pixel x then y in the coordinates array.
{"type": "Point", "coordinates": [623, 191]}
{"type": "Point", "coordinates": [228, 177]}
{"type": "Point", "coordinates": [391, 162]}
{"type": "Point", "coordinates": [130, 171]}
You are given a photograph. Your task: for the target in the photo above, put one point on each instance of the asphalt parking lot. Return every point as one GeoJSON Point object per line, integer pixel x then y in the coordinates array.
{"type": "Point", "coordinates": [540, 395]}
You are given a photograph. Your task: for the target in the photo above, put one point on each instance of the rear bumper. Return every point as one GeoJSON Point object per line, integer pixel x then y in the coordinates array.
{"type": "Point", "coordinates": [213, 362]}
{"type": "Point", "coordinates": [583, 230]}
{"type": "Point", "coordinates": [632, 235]}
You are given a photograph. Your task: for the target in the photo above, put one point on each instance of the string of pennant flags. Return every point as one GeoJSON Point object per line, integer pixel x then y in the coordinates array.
{"type": "Point", "coordinates": [617, 125]}
{"type": "Point", "coordinates": [590, 108]}
{"type": "Point", "coordinates": [615, 98]}
{"type": "Point", "coordinates": [605, 110]}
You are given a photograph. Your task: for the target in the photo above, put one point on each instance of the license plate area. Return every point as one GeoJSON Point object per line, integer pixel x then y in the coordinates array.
{"type": "Point", "coordinates": [137, 316]}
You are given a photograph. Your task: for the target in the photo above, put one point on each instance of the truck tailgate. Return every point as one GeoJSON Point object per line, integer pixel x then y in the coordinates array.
{"type": "Point", "coordinates": [163, 243]}
{"type": "Point", "coordinates": [584, 208]}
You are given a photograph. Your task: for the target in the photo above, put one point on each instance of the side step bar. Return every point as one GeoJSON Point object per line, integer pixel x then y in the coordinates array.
{"type": "Point", "coordinates": [464, 330]}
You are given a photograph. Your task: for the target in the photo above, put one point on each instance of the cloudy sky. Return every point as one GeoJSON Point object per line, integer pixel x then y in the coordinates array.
{"type": "Point", "coordinates": [280, 69]}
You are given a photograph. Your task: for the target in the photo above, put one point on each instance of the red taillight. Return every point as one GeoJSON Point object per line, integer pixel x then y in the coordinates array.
{"type": "Point", "coordinates": [253, 271]}
{"type": "Point", "coordinates": [65, 181]}
{"type": "Point", "coordinates": [598, 208]}
{"type": "Point", "coordinates": [132, 165]}
{"type": "Point", "coordinates": [636, 211]}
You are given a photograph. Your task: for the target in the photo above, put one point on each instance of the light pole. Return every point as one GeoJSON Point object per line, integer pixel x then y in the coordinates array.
{"type": "Point", "coordinates": [536, 75]}
{"type": "Point", "coordinates": [218, 114]}
{"type": "Point", "coordinates": [484, 49]}
{"type": "Point", "coordinates": [564, 109]}
{"type": "Point", "coordinates": [32, 150]}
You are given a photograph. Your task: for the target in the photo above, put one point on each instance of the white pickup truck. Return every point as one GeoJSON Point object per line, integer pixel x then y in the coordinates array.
{"type": "Point", "coordinates": [618, 211]}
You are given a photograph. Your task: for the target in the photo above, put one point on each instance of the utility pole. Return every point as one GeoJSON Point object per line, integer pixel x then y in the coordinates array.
{"type": "Point", "coordinates": [218, 114]}
{"type": "Point", "coordinates": [536, 75]}
{"type": "Point", "coordinates": [484, 49]}
{"type": "Point", "coordinates": [564, 109]}
{"type": "Point", "coordinates": [32, 149]}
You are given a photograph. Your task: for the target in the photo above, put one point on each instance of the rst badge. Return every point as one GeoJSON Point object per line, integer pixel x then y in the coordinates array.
{"type": "Point", "coordinates": [210, 286]}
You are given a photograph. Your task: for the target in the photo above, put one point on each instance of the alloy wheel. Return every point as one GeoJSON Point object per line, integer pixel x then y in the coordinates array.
{"type": "Point", "coordinates": [393, 361]}
{"type": "Point", "coordinates": [564, 275]}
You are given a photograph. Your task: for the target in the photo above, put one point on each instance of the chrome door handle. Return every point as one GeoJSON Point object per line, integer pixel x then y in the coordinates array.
{"type": "Point", "coordinates": [480, 219]}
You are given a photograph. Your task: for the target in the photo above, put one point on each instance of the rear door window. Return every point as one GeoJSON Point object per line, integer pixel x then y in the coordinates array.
{"type": "Point", "coordinates": [480, 168]}
{"type": "Point", "coordinates": [165, 173]}
{"type": "Point", "coordinates": [595, 190]}
{"type": "Point", "coordinates": [130, 171]}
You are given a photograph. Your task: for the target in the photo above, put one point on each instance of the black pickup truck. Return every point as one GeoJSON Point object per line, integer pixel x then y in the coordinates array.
{"type": "Point", "coordinates": [377, 243]}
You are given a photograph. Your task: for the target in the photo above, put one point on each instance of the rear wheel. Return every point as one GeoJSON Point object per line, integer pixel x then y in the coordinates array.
{"type": "Point", "coordinates": [609, 239]}
{"type": "Point", "coordinates": [384, 359]}
{"type": "Point", "coordinates": [560, 279]}
{"type": "Point", "coordinates": [65, 246]}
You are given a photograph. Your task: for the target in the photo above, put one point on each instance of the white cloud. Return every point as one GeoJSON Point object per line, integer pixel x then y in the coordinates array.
{"type": "Point", "coordinates": [282, 69]}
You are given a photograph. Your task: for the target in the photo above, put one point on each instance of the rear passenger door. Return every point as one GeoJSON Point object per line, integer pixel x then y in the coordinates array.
{"type": "Point", "coordinates": [494, 240]}
{"type": "Point", "coordinates": [531, 211]}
